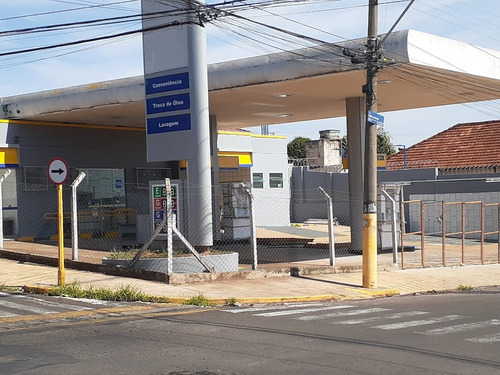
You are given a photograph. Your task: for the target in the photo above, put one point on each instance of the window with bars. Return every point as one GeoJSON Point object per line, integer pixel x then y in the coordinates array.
{"type": "Point", "coordinates": [35, 179]}
{"type": "Point", "coordinates": [258, 180]}
{"type": "Point", "coordinates": [276, 180]}
{"type": "Point", "coordinates": [144, 175]}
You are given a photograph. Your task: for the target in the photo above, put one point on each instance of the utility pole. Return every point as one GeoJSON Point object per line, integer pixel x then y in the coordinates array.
{"type": "Point", "coordinates": [370, 175]}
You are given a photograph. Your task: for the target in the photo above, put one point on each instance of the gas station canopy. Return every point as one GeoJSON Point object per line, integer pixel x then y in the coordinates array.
{"type": "Point", "coordinates": [420, 70]}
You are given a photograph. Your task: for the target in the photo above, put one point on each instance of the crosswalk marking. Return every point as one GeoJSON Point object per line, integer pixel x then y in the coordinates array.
{"type": "Point", "coordinates": [400, 315]}
{"type": "Point", "coordinates": [5, 314]}
{"type": "Point", "coordinates": [486, 339]}
{"type": "Point", "coordinates": [415, 323]}
{"type": "Point", "coordinates": [18, 306]}
{"type": "Point", "coordinates": [460, 327]}
{"type": "Point", "coordinates": [343, 313]}
{"type": "Point", "coordinates": [318, 311]}
{"type": "Point", "coordinates": [302, 311]}
{"type": "Point", "coordinates": [28, 304]}
{"type": "Point", "coordinates": [44, 302]}
{"type": "Point", "coordinates": [267, 308]}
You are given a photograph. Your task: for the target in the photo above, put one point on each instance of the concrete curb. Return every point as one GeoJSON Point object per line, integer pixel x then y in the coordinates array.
{"type": "Point", "coordinates": [252, 300]}
{"type": "Point", "coordinates": [76, 314]}
{"type": "Point", "coordinates": [378, 293]}
{"type": "Point", "coordinates": [183, 278]}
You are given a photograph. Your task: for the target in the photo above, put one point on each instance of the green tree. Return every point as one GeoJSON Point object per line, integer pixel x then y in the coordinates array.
{"type": "Point", "coordinates": [296, 149]}
{"type": "Point", "coordinates": [384, 143]}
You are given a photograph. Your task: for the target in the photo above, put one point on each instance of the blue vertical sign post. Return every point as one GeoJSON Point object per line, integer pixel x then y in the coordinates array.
{"type": "Point", "coordinates": [177, 114]}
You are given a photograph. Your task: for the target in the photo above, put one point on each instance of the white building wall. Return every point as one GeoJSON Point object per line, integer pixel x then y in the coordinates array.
{"type": "Point", "coordinates": [272, 204]}
{"type": "Point", "coordinates": [269, 156]}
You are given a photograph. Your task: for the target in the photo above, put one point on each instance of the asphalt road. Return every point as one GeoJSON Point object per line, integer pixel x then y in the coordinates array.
{"type": "Point", "coordinates": [427, 334]}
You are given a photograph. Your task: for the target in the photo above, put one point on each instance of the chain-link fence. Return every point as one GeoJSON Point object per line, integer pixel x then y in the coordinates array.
{"type": "Point", "coordinates": [248, 229]}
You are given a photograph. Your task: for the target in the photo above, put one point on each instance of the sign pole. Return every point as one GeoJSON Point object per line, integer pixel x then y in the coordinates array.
{"type": "Point", "coordinates": [61, 274]}
{"type": "Point", "coordinates": [57, 172]}
{"type": "Point", "coordinates": [370, 181]}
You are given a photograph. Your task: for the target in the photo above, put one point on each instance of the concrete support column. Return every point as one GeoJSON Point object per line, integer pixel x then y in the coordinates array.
{"type": "Point", "coordinates": [198, 168]}
{"type": "Point", "coordinates": [355, 113]}
{"type": "Point", "coordinates": [216, 207]}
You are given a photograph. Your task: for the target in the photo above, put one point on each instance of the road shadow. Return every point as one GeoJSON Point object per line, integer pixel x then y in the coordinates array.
{"type": "Point", "coordinates": [295, 274]}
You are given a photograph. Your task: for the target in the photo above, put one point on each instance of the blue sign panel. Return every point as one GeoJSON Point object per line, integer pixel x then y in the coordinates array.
{"type": "Point", "coordinates": [170, 82]}
{"type": "Point", "coordinates": [169, 123]}
{"type": "Point", "coordinates": [167, 103]}
{"type": "Point", "coordinates": [375, 118]}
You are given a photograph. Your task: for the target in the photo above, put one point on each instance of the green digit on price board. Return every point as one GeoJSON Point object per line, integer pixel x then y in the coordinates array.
{"type": "Point", "coordinates": [159, 192]}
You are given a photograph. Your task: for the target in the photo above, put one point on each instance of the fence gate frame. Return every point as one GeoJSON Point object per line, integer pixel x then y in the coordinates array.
{"type": "Point", "coordinates": [463, 232]}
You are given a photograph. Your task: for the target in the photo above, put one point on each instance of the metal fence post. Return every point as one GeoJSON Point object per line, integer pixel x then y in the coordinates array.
{"type": "Point", "coordinates": [394, 231]}
{"type": "Point", "coordinates": [253, 231]}
{"type": "Point", "coordinates": [482, 232]}
{"type": "Point", "coordinates": [2, 179]}
{"type": "Point", "coordinates": [422, 235]}
{"type": "Point", "coordinates": [402, 230]}
{"type": "Point", "coordinates": [443, 244]}
{"type": "Point", "coordinates": [169, 221]}
{"type": "Point", "coordinates": [463, 232]}
{"type": "Point", "coordinates": [74, 216]}
{"type": "Point", "coordinates": [331, 235]}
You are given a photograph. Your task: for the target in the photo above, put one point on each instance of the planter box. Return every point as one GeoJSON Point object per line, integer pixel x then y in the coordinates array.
{"type": "Point", "coordinates": [219, 263]}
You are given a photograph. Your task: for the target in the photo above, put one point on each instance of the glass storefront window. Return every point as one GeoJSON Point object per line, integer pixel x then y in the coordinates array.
{"type": "Point", "coordinates": [102, 188]}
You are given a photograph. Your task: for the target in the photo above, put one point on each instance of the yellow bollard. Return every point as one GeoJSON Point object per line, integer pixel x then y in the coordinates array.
{"type": "Point", "coordinates": [370, 250]}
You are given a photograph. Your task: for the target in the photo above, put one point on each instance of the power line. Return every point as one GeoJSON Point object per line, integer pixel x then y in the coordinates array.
{"type": "Point", "coordinates": [24, 16]}
{"type": "Point", "coordinates": [89, 40]}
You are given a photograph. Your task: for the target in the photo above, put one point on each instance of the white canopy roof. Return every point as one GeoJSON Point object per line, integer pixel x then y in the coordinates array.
{"type": "Point", "coordinates": [421, 70]}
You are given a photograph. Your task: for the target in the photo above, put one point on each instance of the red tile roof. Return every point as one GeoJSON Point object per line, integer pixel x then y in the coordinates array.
{"type": "Point", "coordinates": [461, 146]}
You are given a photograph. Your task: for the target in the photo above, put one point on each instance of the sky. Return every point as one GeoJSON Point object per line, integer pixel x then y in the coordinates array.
{"type": "Point", "coordinates": [471, 21]}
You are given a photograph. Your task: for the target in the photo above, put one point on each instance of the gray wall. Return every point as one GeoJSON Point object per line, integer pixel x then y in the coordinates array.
{"type": "Point", "coordinates": [434, 193]}
{"type": "Point", "coordinates": [82, 148]}
{"type": "Point", "coordinates": [308, 202]}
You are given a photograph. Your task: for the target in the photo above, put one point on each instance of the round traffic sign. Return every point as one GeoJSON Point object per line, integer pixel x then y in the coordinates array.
{"type": "Point", "coordinates": [57, 171]}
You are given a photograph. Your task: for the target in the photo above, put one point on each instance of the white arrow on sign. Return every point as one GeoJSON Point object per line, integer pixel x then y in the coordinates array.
{"type": "Point", "coordinates": [57, 171]}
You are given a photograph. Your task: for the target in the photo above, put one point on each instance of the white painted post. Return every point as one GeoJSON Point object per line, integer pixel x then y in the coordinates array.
{"type": "Point", "coordinates": [394, 230]}
{"type": "Point", "coordinates": [74, 216]}
{"type": "Point", "coordinates": [2, 179]}
{"type": "Point", "coordinates": [253, 232]}
{"type": "Point", "coordinates": [169, 221]}
{"type": "Point", "coordinates": [331, 235]}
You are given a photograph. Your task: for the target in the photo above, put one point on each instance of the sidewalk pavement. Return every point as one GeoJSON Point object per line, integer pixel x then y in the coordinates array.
{"type": "Point", "coordinates": [268, 289]}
